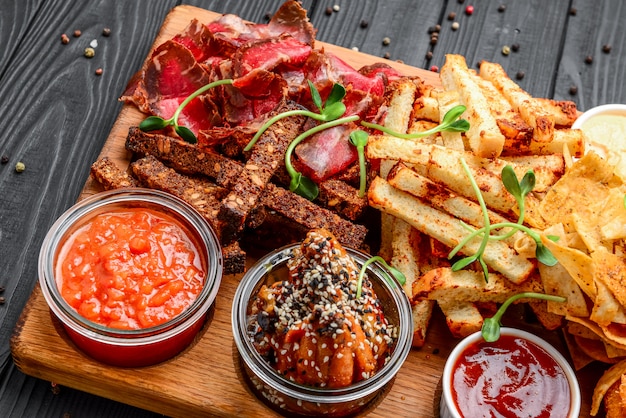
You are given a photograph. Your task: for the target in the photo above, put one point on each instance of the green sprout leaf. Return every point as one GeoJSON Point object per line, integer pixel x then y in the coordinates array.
{"type": "Point", "coordinates": [449, 123]}
{"type": "Point", "coordinates": [359, 139]}
{"type": "Point", "coordinates": [518, 190]}
{"type": "Point", "coordinates": [400, 277]}
{"type": "Point", "coordinates": [332, 110]}
{"type": "Point", "coordinates": [152, 123]}
{"type": "Point", "coordinates": [491, 326]}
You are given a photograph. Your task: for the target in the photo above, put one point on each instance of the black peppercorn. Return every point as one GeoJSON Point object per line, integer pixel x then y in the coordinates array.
{"type": "Point", "coordinates": [588, 59]}
{"type": "Point", "coordinates": [606, 48]}
{"type": "Point", "coordinates": [520, 75]}
{"type": "Point", "coordinates": [4, 159]}
{"type": "Point", "coordinates": [364, 24]}
{"type": "Point", "coordinates": [501, 8]}
{"type": "Point", "coordinates": [515, 47]}
{"type": "Point", "coordinates": [452, 16]}
{"type": "Point", "coordinates": [328, 11]}
{"type": "Point", "coordinates": [106, 31]}
{"type": "Point", "coordinates": [429, 55]}
{"type": "Point", "coordinates": [573, 11]}
{"type": "Point", "coordinates": [573, 90]}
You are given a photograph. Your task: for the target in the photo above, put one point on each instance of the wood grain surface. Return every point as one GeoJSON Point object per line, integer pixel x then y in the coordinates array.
{"type": "Point", "coordinates": [57, 114]}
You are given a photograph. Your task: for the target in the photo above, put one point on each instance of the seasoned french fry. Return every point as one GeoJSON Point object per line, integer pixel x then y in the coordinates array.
{"type": "Point", "coordinates": [484, 136]}
{"type": "Point", "coordinates": [446, 229]}
{"type": "Point", "coordinates": [443, 284]}
{"type": "Point", "coordinates": [564, 112]}
{"type": "Point", "coordinates": [463, 318]}
{"type": "Point", "coordinates": [531, 111]}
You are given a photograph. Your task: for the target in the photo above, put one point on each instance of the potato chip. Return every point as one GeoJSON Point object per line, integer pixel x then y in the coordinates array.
{"type": "Point", "coordinates": [612, 375]}
{"type": "Point", "coordinates": [606, 308]}
{"type": "Point", "coordinates": [611, 270]}
{"type": "Point", "coordinates": [578, 264]}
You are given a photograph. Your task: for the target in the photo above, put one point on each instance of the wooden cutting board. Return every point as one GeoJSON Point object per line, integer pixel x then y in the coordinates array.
{"type": "Point", "coordinates": [206, 379]}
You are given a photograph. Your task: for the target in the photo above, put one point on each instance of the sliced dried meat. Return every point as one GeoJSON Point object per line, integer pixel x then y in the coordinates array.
{"type": "Point", "coordinates": [291, 18]}
{"type": "Point", "coordinates": [270, 53]}
{"type": "Point", "coordinates": [327, 153]}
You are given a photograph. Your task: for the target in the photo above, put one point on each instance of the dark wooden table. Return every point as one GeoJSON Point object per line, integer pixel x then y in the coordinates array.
{"type": "Point", "coordinates": [57, 112]}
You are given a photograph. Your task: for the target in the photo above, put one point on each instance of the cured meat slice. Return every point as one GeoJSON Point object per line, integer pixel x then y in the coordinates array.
{"type": "Point", "coordinates": [267, 54]}
{"type": "Point", "coordinates": [326, 153]}
{"type": "Point", "coordinates": [291, 18]}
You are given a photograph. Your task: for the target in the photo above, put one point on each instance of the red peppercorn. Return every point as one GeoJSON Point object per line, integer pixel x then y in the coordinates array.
{"type": "Point", "coordinates": [469, 10]}
{"type": "Point", "coordinates": [434, 68]}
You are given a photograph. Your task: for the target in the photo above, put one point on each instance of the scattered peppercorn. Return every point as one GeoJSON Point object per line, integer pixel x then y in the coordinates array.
{"type": "Point", "coordinates": [364, 24]}
{"type": "Point", "coordinates": [4, 159]}
{"type": "Point", "coordinates": [501, 8]}
{"type": "Point", "coordinates": [267, 16]}
{"type": "Point", "coordinates": [77, 33]}
{"type": "Point", "coordinates": [432, 29]}
{"type": "Point", "coordinates": [452, 16]}
{"type": "Point", "coordinates": [573, 90]}
{"type": "Point", "coordinates": [20, 167]}
{"type": "Point", "coordinates": [573, 11]}
{"type": "Point", "coordinates": [455, 25]}
{"type": "Point", "coordinates": [65, 39]}
{"type": "Point", "coordinates": [90, 52]}
{"type": "Point", "coordinates": [106, 32]}
{"type": "Point", "coordinates": [437, 27]}
{"type": "Point", "coordinates": [434, 40]}
{"type": "Point", "coordinates": [429, 55]}
{"type": "Point", "coordinates": [387, 55]}
{"type": "Point", "coordinates": [336, 8]}
{"type": "Point", "coordinates": [355, 48]}
{"type": "Point", "coordinates": [2, 289]}
{"type": "Point", "coordinates": [588, 59]}
{"type": "Point", "coordinates": [329, 11]}
{"type": "Point", "coordinates": [469, 10]}
{"type": "Point", "coordinates": [520, 75]}
{"type": "Point", "coordinates": [515, 47]}
{"type": "Point", "coordinates": [2, 300]}
{"type": "Point", "coordinates": [56, 389]}
{"type": "Point", "coordinates": [99, 71]}
{"type": "Point", "coordinates": [434, 68]}
{"type": "Point", "coordinates": [506, 50]}
{"type": "Point", "coordinates": [461, 1]}
{"type": "Point", "coordinates": [606, 48]}
{"type": "Point", "coordinates": [386, 41]}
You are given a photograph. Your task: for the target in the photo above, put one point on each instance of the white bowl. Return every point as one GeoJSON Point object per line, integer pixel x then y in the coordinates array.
{"type": "Point", "coordinates": [605, 134]}
{"type": "Point", "coordinates": [447, 406]}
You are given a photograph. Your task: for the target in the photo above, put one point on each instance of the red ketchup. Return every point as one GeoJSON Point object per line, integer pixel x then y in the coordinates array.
{"type": "Point", "coordinates": [512, 377]}
{"type": "Point", "coordinates": [132, 268]}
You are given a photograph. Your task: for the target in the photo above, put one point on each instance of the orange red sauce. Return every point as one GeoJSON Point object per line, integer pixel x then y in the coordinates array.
{"type": "Point", "coordinates": [131, 268]}
{"type": "Point", "coordinates": [512, 377]}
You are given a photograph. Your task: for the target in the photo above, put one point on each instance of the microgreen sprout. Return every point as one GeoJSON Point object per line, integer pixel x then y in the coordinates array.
{"type": "Point", "coordinates": [152, 123]}
{"type": "Point", "coordinates": [450, 123]}
{"type": "Point", "coordinates": [299, 183]}
{"type": "Point", "coordinates": [491, 326]}
{"type": "Point", "coordinates": [359, 139]}
{"type": "Point", "coordinates": [396, 273]}
{"type": "Point", "coordinates": [331, 110]}
{"type": "Point", "coordinates": [519, 190]}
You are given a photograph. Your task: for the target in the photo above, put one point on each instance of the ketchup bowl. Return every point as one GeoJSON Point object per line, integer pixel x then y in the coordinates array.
{"type": "Point", "coordinates": [518, 375]}
{"type": "Point", "coordinates": [130, 274]}
{"type": "Point", "coordinates": [284, 386]}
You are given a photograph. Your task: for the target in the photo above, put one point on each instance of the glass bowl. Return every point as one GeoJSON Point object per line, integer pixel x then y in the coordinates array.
{"type": "Point", "coordinates": [291, 398]}
{"type": "Point", "coordinates": [447, 406]}
{"type": "Point", "coordinates": [132, 347]}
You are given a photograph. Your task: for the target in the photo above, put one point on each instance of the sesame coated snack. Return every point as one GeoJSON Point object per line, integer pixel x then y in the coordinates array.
{"type": "Point", "coordinates": [311, 327]}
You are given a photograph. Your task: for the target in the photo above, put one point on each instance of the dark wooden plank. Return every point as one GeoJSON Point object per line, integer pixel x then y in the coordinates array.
{"type": "Point", "coordinates": [536, 26]}
{"type": "Point", "coordinates": [594, 25]}
{"type": "Point", "coordinates": [13, 27]}
{"type": "Point", "coordinates": [56, 115]}
{"type": "Point", "coordinates": [403, 22]}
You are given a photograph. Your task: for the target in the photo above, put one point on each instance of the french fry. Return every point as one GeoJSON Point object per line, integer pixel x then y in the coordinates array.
{"type": "Point", "coordinates": [446, 229]}
{"type": "Point", "coordinates": [484, 136]}
{"type": "Point", "coordinates": [443, 284]}
{"type": "Point", "coordinates": [442, 165]}
{"type": "Point", "coordinates": [531, 111]}
{"type": "Point", "coordinates": [447, 100]}
{"type": "Point", "coordinates": [462, 318]}
{"type": "Point", "coordinates": [564, 112]}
